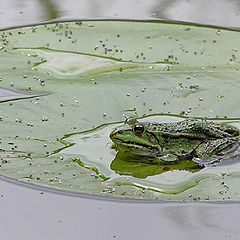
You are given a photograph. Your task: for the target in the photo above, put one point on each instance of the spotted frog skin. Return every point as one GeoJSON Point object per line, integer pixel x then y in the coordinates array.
{"type": "Point", "coordinates": [185, 140]}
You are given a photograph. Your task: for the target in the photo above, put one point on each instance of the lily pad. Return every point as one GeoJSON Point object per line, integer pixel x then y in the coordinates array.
{"type": "Point", "coordinates": [91, 75]}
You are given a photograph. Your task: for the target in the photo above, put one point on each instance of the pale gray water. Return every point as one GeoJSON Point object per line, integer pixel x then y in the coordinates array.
{"type": "Point", "coordinates": [221, 12]}
{"type": "Point", "coordinates": [29, 213]}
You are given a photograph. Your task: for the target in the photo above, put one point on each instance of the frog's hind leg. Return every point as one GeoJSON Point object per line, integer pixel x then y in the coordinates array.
{"type": "Point", "coordinates": [218, 151]}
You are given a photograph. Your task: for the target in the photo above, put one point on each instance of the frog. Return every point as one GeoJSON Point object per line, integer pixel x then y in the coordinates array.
{"type": "Point", "coordinates": [190, 139]}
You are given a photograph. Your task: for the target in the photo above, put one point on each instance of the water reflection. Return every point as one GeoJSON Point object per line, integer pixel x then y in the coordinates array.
{"type": "Point", "coordinates": [223, 12]}
{"type": "Point", "coordinates": [140, 167]}
{"type": "Point", "coordinates": [50, 9]}
{"type": "Point", "coordinates": [204, 217]}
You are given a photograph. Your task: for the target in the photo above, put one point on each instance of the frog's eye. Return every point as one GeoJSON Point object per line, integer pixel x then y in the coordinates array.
{"type": "Point", "coordinates": [138, 129]}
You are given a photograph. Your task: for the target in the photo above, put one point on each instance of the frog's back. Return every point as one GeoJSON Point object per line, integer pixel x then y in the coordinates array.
{"type": "Point", "coordinates": [193, 128]}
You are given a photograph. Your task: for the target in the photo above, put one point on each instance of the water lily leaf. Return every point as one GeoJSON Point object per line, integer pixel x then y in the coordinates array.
{"type": "Point", "coordinates": [79, 80]}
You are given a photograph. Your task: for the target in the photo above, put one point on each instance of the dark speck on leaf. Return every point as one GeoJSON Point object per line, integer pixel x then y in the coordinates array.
{"type": "Point", "coordinates": [166, 168]}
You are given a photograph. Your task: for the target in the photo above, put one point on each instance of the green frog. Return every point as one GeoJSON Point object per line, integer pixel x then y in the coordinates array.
{"type": "Point", "coordinates": [191, 139]}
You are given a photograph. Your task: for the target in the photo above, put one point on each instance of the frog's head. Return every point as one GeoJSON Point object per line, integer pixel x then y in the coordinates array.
{"type": "Point", "coordinates": [136, 140]}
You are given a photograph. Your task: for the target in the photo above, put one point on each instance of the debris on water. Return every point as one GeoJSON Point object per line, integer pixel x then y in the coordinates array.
{"type": "Point", "coordinates": [19, 120]}
{"type": "Point", "coordinates": [220, 96]}
{"type": "Point", "coordinates": [184, 91]}
{"type": "Point", "coordinates": [44, 118]}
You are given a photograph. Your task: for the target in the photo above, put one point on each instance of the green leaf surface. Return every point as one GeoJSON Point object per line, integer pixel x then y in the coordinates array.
{"type": "Point", "coordinates": [89, 76]}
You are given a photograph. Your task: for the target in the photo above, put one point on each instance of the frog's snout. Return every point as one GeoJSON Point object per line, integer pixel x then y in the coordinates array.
{"type": "Point", "coordinates": [114, 133]}
{"type": "Point", "coordinates": [111, 135]}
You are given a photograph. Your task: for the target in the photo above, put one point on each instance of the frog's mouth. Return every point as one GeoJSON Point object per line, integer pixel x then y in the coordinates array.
{"type": "Point", "coordinates": [138, 148]}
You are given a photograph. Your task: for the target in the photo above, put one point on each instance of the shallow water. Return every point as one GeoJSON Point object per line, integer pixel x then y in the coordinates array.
{"type": "Point", "coordinates": [93, 78]}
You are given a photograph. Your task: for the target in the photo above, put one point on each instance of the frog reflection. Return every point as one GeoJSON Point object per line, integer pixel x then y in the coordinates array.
{"type": "Point", "coordinates": [142, 167]}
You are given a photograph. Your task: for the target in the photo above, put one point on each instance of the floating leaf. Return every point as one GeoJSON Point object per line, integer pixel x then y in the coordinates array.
{"type": "Point", "coordinates": [91, 75]}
